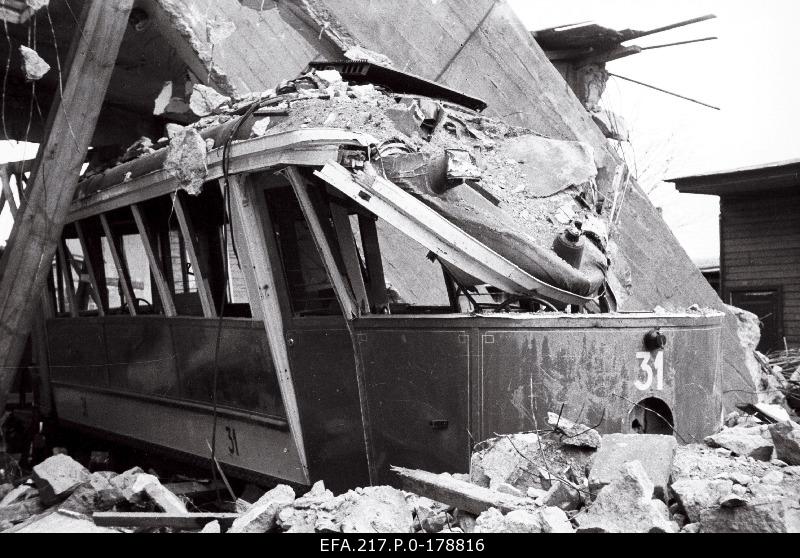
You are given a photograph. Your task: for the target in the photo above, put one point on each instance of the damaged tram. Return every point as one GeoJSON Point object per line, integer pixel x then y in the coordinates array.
{"type": "Point", "coordinates": [358, 273]}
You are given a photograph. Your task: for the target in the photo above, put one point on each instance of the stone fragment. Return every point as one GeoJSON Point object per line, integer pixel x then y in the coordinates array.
{"type": "Point", "coordinates": [574, 434]}
{"type": "Point", "coordinates": [92, 496]}
{"type": "Point", "coordinates": [211, 527]}
{"type": "Point", "coordinates": [206, 100]}
{"type": "Point", "coordinates": [292, 520]}
{"type": "Point", "coordinates": [626, 505]}
{"type": "Point", "coordinates": [773, 477]}
{"type": "Point", "coordinates": [57, 476]}
{"type": "Point", "coordinates": [756, 516]}
{"type": "Point", "coordinates": [545, 520]}
{"type": "Point", "coordinates": [696, 495]}
{"type": "Point", "coordinates": [786, 438]}
{"type": "Point", "coordinates": [21, 510]}
{"type": "Point", "coordinates": [746, 441]}
{"type": "Point", "coordinates": [218, 29]}
{"type": "Point", "coordinates": [22, 492]}
{"type": "Point", "coordinates": [187, 160]}
{"type": "Point", "coordinates": [506, 488]}
{"type": "Point", "coordinates": [165, 500]}
{"type": "Point", "coordinates": [262, 517]}
{"type": "Point", "coordinates": [33, 65]}
{"type": "Point", "coordinates": [563, 496]}
{"type": "Point", "coordinates": [749, 332]}
{"type": "Point", "coordinates": [407, 119]}
{"type": "Point", "coordinates": [655, 452]}
{"type": "Point", "coordinates": [465, 520]}
{"type": "Point", "coordinates": [317, 496]}
{"type": "Point", "coordinates": [381, 509]}
{"type": "Point", "coordinates": [329, 77]}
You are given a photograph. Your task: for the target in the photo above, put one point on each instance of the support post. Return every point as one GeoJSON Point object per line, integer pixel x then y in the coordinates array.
{"type": "Point", "coordinates": [54, 178]}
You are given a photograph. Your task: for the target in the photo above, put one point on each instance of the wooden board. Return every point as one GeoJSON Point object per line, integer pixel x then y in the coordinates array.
{"type": "Point", "coordinates": [190, 521]}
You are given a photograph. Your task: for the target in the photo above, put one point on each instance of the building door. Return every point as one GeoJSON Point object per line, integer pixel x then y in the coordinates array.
{"type": "Point", "coordinates": [767, 304]}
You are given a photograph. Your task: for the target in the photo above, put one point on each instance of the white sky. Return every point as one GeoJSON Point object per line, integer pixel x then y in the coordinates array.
{"type": "Point", "coordinates": [750, 72]}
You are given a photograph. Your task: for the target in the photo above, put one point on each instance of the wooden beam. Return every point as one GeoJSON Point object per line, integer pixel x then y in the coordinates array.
{"type": "Point", "coordinates": [372, 257]}
{"type": "Point", "coordinates": [245, 209]}
{"type": "Point", "coordinates": [87, 261]}
{"type": "Point", "coordinates": [196, 257]}
{"type": "Point", "coordinates": [164, 292]}
{"type": "Point", "coordinates": [68, 132]}
{"type": "Point", "coordinates": [300, 187]}
{"type": "Point", "coordinates": [352, 261]}
{"type": "Point", "coordinates": [189, 521]}
{"type": "Point", "coordinates": [119, 264]}
{"type": "Point", "coordinates": [69, 285]}
{"type": "Point", "coordinates": [457, 493]}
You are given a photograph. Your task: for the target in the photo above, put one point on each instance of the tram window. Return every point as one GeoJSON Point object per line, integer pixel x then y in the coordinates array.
{"type": "Point", "coordinates": [80, 279]}
{"type": "Point", "coordinates": [139, 272]}
{"type": "Point", "coordinates": [310, 291]}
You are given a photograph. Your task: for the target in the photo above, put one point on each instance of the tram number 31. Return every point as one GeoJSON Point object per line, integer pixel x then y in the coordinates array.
{"type": "Point", "coordinates": [233, 443]}
{"type": "Point", "coordinates": [652, 364]}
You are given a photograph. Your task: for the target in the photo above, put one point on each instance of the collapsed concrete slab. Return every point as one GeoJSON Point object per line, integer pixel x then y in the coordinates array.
{"type": "Point", "coordinates": [56, 477]}
{"type": "Point", "coordinates": [655, 453]}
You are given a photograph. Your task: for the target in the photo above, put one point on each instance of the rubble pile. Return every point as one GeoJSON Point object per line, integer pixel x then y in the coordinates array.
{"type": "Point", "coordinates": [472, 168]}
{"type": "Point", "coordinates": [745, 478]}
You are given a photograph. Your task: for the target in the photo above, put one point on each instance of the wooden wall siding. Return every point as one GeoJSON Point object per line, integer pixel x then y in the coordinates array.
{"type": "Point", "coordinates": [760, 247]}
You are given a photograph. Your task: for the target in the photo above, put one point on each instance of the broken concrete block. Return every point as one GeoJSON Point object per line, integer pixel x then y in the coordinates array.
{"type": "Point", "coordinates": [745, 441]}
{"type": "Point", "coordinates": [550, 166]}
{"type": "Point", "coordinates": [33, 65]}
{"type": "Point", "coordinates": [262, 517]}
{"type": "Point", "coordinates": [165, 500]}
{"type": "Point", "coordinates": [654, 451]}
{"type": "Point", "coordinates": [211, 527]}
{"type": "Point", "coordinates": [626, 505]}
{"type": "Point", "coordinates": [97, 494]}
{"type": "Point", "coordinates": [407, 119]}
{"type": "Point", "coordinates": [563, 496]}
{"type": "Point", "coordinates": [696, 495]}
{"type": "Point", "coordinates": [381, 509]}
{"type": "Point", "coordinates": [748, 330]}
{"type": "Point", "coordinates": [21, 511]}
{"type": "Point", "coordinates": [329, 77]}
{"type": "Point", "coordinates": [758, 516]}
{"type": "Point", "coordinates": [206, 100]}
{"type": "Point", "coordinates": [574, 434]}
{"type": "Point", "coordinates": [503, 460]}
{"type": "Point", "coordinates": [292, 520]}
{"type": "Point", "coordinates": [465, 520]}
{"type": "Point", "coordinates": [317, 496]}
{"type": "Point", "coordinates": [219, 29]}
{"type": "Point", "coordinates": [260, 127]}
{"type": "Point", "coordinates": [187, 160]}
{"type": "Point", "coordinates": [22, 492]}
{"type": "Point", "coordinates": [611, 124]}
{"type": "Point", "coordinates": [57, 476]}
{"type": "Point", "coordinates": [546, 520]}
{"type": "Point", "coordinates": [786, 438]}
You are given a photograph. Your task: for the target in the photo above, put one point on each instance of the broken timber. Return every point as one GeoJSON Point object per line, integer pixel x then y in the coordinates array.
{"type": "Point", "coordinates": [26, 262]}
{"type": "Point", "coordinates": [461, 494]}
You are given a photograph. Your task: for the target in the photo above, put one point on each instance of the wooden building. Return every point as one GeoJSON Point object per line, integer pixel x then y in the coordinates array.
{"type": "Point", "coordinates": [759, 243]}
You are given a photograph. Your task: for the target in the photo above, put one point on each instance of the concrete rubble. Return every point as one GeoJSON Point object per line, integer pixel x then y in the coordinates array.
{"type": "Point", "coordinates": [534, 482]}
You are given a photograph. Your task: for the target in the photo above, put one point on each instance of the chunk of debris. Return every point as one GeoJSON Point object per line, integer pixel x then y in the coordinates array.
{"type": "Point", "coordinates": [57, 476]}
{"type": "Point", "coordinates": [380, 509]}
{"type": "Point", "coordinates": [697, 495]}
{"type": "Point", "coordinates": [211, 527]}
{"type": "Point", "coordinates": [461, 165]}
{"type": "Point", "coordinates": [546, 520]}
{"type": "Point", "coordinates": [611, 124]}
{"type": "Point", "coordinates": [22, 492]}
{"type": "Point", "coordinates": [786, 438]}
{"type": "Point", "coordinates": [357, 52]}
{"type": "Point", "coordinates": [563, 496]}
{"type": "Point", "coordinates": [655, 452]}
{"type": "Point", "coordinates": [292, 520]}
{"type": "Point", "coordinates": [329, 77]}
{"type": "Point", "coordinates": [457, 493]}
{"type": "Point", "coordinates": [165, 500]}
{"type": "Point", "coordinates": [187, 160]}
{"type": "Point", "coordinates": [626, 505]}
{"type": "Point", "coordinates": [317, 496]}
{"type": "Point", "coordinates": [206, 100]}
{"type": "Point", "coordinates": [748, 329]}
{"type": "Point", "coordinates": [21, 511]}
{"type": "Point", "coordinates": [260, 127]}
{"type": "Point", "coordinates": [64, 522]}
{"type": "Point", "coordinates": [93, 495]}
{"type": "Point", "coordinates": [33, 65]}
{"type": "Point", "coordinates": [262, 516]}
{"type": "Point", "coordinates": [746, 441]}
{"type": "Point", "coordinates": [406, 118]}
{"type": "Point", "coordinates": [432, 516]}
{"type": "Point", "coordinates": [574, 434]}
{"type": "Point", "coordinates": [548, 165]}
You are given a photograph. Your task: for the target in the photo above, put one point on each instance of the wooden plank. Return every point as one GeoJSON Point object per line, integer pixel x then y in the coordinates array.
{"type": "Point", "coordinates": [300, 187]}
{"type": "Point", "coordinates": [352, 261]}
{"type": "Point", "coordinates": [87, 261]}
{"type": "Point", "coordinates": [189, 521]}
{"type": "Point", "coordinates": [457, 493]}
{"type": "Point", "coordinates": [54, 177]}
{"type": "Point", "coordinates": [119, 264]}
{"type": "Point", "coordinates": [447, 241]}
{"type": "Point", "coordinates": [372, 256]}
{"type": "Point", "coordinates": [245, 208]}
{"type": "Point", "coordinates": [164, 292]}
{"type": "Point", "coordinates": [69, 285]}
{"type": "Point", "coordinates": [197, 259]}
